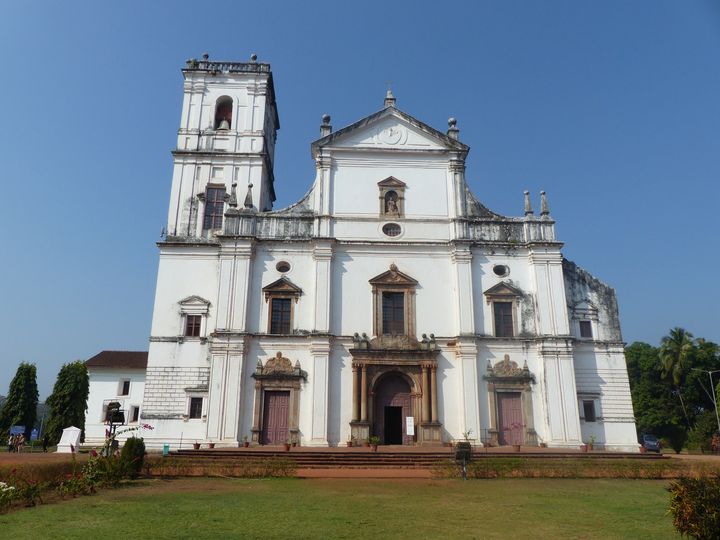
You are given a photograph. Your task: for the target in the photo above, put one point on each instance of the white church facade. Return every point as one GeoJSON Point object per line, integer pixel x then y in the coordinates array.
{"type": "Point", "coordinates": [388, 301]}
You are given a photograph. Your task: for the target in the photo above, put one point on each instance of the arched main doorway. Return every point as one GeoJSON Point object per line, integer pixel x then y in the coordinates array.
{"type": "Point", "coordinates": [392, 405]}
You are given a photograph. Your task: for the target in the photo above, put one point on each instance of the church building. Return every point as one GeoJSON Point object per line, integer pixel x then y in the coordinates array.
{"type": "Point", "coordinates": [388, 301]}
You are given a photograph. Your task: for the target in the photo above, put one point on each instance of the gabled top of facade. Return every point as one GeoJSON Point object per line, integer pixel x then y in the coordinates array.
{"type": "Point", "coordinates": [390, 128]}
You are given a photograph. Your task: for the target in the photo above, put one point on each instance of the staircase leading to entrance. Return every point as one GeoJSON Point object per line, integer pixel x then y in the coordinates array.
{"type": "Point", "coordinates": [385, 458]}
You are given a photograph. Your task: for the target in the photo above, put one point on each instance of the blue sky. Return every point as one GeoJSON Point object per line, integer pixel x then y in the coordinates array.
{"type": "Point", "coordinates": [611, 107]}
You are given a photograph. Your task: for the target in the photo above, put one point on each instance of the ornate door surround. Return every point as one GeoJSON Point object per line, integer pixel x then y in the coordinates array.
{"type": "Point", "coordinates": [277, 375]}
{"type": "Point", "coordinates": [506, 376]}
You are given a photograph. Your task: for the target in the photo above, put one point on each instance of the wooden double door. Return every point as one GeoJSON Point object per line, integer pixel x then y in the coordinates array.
{"type": "Point", "coordinates": [510, 418]}
{"type": "Point", "coordinates": [275, 417]}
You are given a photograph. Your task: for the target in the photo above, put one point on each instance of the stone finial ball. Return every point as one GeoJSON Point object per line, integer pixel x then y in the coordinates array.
{"type": "Point", "coordinates": [452, 121]}
{"type": "Point", "coordinates": [326, 118]}
{"type": "Point", "coordinates": [253, 57]}
{"type": "Point", "coordinates": [526, 192]}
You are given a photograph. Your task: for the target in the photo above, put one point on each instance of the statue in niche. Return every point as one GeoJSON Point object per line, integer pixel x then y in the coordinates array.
{"type": "Point", "coordinates": [391, 206]}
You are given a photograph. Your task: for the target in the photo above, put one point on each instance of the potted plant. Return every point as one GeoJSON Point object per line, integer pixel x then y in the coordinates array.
{"type": "Point", "coordinates": [246, 443]}
{"type": "Point", "coordinates": [374, 441]}
{"type": "Point", "coordinates": [211, 444]}
{"type": "Point", "coordinates": [350, 442]}
{"type": "Point", "coordinates": [542, 444]}
{"type": "Point", "coordinates": [591, 442]}
{"type": "Point", "coordinates": [287, 445]}
{"type": "Point", "coordinates": [583, 448]}
{"type": "Point", "coordinates": [196, 445]}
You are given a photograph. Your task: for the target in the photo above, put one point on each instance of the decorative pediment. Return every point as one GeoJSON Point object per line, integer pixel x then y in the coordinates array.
{"type": "Point", "coordinates": [278, 367]}
{"type": "Point", "coordinates": [194, 305]}
{"type": "Point", "coordinates": [507, 368]}
{"type": "Point", "coordinates": [391, 182]}
{"type": "Point", "coordinates": [503, 289]}
{"type": "Point", "coordinates": [390, 128]}
{"type": "Point", "coordinates": [282, 287]}
{"type": "Point", "coordinates": [393, 277]}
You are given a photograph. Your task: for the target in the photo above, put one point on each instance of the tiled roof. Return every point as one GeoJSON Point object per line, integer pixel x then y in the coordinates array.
{"type": "Point", "coordinates": [119, 359]}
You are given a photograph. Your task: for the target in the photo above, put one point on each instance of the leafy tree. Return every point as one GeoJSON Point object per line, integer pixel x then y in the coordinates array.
{"type": "Point", "coordinates": [655, 410]}
{"type": "Point", "coordinates": [677, 350]}
{"type": "Point", "coordinates": [20, 407]}
{"type": "Point", "coordinates": [68, 401]}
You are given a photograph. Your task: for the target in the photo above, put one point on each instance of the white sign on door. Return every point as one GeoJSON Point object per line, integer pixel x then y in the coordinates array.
{"type": "Point", "coordinates": [410, 426]}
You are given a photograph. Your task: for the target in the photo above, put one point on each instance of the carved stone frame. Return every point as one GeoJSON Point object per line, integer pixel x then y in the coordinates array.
{"type": "Point", "coordinates": [282, 288]}
{"type": "Point", "coordinates": [278, 374]}
{"type": "Point", "coordinates": [506, 376]}
{"type": "Point", "coordinates": [386, 186]}
{"type": "Point", "coordinates": [504, 292]}
{"type": "Point", "coordinates": [394, 281]}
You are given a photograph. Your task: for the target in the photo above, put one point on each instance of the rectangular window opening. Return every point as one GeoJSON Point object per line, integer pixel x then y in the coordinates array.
{"type": "Point", "coordinates": [124, 388]}
{"type": "Point", "coordinates": [393, 312]}
{"type": "Point", "coordinates": [585, 329]}
{"type": "Point", "coordinates": [192, 325]}
{"type": "Point", "coordinates": [280, 315]}
{"type": "Point", "coordinates": [214, 208]}
{"type": "Point", "coordinates": [503, 319]}
{"type": "Point", "coordinates": [196, 404]}
{"type": "Point", "coordinates": [134, 414]}
{"type": "Point", "coordinates": [589, 410]}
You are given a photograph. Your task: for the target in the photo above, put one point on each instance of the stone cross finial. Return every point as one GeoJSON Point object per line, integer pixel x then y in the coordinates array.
{"type": "Point", "coordinates": [389, 99]}
{"type": "Point", "coordinates": [544, 207]}
{"type": "Point", "coordinates": [248, 198]}
{"type": "Point", "coordinates": [528, 206]}
{"type": "Point", "coordinates": [325, 127]}
{"type": "Point", "coordinates": [453, 132]}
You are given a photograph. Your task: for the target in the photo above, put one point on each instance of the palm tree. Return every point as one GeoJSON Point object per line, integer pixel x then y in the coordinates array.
{"type": "Point", "coordinates": [676, 354]}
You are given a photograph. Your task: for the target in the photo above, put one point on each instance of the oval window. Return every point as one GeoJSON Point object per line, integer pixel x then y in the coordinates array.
{"type": "Point", "coordinates": [391, 229]}
{"type": "Point", "coordinates": [283, 266]}
{"type": "Point", "coordinates": [501, 270]}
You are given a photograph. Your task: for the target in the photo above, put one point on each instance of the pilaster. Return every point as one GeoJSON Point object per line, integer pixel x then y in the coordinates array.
{"type": "Point", "coordinates": [322, 257]}
{"type": "Point", "coordinates": [466, 354]}
{"type": "Point", "coordinates": [226, 367]}
{"type": "Point", "coordinates": [235, 277]}
{"type": "Point", "coordinates": [462, 260]}
{"type": "Point", "coordinates": [560, 392]}
{"type": "Point", "coordinates": [546, 271]}
{"type": "Point", "coordinates": [320, 353]}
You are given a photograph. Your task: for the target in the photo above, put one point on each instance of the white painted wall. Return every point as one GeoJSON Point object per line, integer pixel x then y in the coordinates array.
{"type": "Point", "coordinates": [333, 269]}
{"type": "Point", "coordinates": [105, 385]}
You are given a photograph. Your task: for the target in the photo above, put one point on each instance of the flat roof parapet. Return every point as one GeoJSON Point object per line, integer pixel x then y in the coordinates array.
{"type": "Point", "coordinates": [226, 67]}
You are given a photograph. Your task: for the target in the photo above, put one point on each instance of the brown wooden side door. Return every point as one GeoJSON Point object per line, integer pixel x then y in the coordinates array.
{"type": "Point", "coordinates": [275, 417]}
{"type": "Point", "coordinates": [510, 418]}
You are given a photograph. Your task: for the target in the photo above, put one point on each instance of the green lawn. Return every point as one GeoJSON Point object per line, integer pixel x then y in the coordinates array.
{"type": "Point", "coordinates": [340, 508]}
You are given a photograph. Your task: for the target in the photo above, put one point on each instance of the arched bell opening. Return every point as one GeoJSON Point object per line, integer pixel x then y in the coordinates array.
{"type": "Point", "coordinates": [223, 113]}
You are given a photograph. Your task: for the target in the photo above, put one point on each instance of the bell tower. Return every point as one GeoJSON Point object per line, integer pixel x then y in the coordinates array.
{"type": "Point", "coordinates": [225, 144]}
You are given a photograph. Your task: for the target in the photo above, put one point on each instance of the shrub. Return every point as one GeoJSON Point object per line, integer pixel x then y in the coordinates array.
{"type": "Point", "coordinates": [7, 494]}
{"type": "Point", "coordinates": [132, 456]}
{"type": "Point", "coordinates": [695, 506]}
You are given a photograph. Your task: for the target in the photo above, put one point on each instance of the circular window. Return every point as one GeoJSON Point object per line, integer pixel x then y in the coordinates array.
{"type": "Point", "coordinates": [391, 229]}
{"type": "Point", "coordinates": [501, 270]}
{"type": "Point", "coordinates": [283, 266]}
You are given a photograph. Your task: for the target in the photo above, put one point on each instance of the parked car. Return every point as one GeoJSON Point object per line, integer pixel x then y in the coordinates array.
{"type": "Point", "coordinates": [650, 443]}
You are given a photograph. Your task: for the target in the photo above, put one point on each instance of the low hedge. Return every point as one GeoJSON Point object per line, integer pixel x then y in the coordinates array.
{"type": "Point", "coordinates": [519, 467]}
